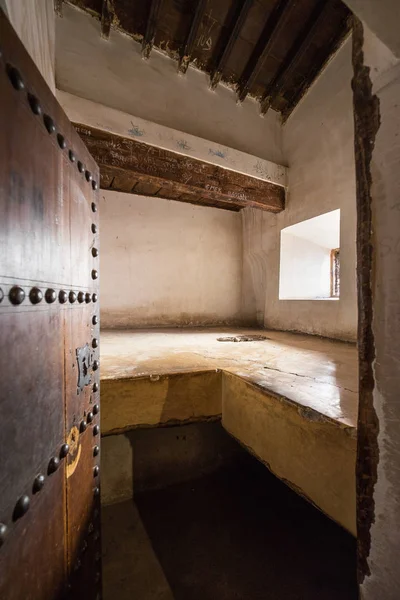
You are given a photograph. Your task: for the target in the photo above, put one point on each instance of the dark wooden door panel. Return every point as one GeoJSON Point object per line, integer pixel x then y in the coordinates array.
{"type": "Point", "coordinates": [32, 560]}
{"type": "Point", "coordinates": [49, 330]}
{"type": "Point", "coordinates": [82, 388]}
{"type": "Point", "coordinates": [32, 406]}
{"type": "Point", "coordinates": [34, 221]}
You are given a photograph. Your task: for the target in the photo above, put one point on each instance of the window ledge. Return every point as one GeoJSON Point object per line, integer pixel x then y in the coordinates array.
{"type": "Point", "coordinates": [310, 299]}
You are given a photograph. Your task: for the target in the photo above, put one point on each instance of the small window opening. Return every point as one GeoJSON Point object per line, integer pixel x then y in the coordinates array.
{"type": "Point", "coordinates": [335, 273]}
{"type": "Point", "coordinates": [310, 259]}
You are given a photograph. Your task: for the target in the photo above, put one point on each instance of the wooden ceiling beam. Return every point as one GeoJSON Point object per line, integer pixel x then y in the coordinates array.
{"type": "Point", "coordinates": [124, 162]}
{"type": "Point", "coordinates": [272, 29]}
{"type": "Point", "coordinates": [238, 22]}
{"type": "Point", "coordinates": [317, 67]}
{"type": "Point", "coordinates": [107, 17]}
{"type": "Point", "coordinates": [187, 48]}
{"type": "Point", "coordinates": [294, 56]}
{"type": "Point", "coordinates": [148, 39]}
{"type": "Point", "coordinates": [58, 7]}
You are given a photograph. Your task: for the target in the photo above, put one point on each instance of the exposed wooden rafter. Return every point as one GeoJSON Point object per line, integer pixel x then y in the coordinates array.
{"type": "Point", "coordinates": [271, 30]}
{"type": "Point", "coordinates": [280, 63]}
{"type": "Point", "coordinates": [187, 48]}
{"type": "Point", "coordinates": [107, 17]}
{"type": "Point", "coordinates": [151, 27]}
{"type": "Point", "coordinates": [127, 165]}
{"type": "Point", "coordinates": [238, 21]}
{"type": "Point", "coordinates": [294, 56]}
{"type": "Point", "coordinates": [317, 67]}
{"type": "Point", "coordinates": [58, 8]}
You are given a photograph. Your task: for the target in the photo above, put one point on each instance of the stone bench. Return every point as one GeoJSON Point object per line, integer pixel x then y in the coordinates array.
{"type": "Point", "coordinates": [312, 451]}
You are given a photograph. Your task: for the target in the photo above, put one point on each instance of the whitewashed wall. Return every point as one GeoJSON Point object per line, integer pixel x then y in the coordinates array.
{"type": "Point", "coordinates": [319, 149]}
{"type": "Point", "coordinates": [166, 263]}
{"type": "Point", "coordinates": [383, 579]}
{"type": "Point", "coordinates": [258, 238]}
{"type": "Point", "coordinates": [304, 269]}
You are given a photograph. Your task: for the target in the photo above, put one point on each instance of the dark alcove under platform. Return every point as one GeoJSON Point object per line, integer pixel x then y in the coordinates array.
{"type": "Point", "coordinates": [237, 533]}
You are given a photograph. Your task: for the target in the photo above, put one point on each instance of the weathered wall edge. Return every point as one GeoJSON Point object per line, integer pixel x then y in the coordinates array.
{"type": "Point", "coordinates": [366, 124]}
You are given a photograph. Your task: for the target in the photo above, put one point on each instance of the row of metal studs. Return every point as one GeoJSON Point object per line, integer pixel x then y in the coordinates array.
{"type": "Point", "coordinates": [18, 84]}
{"type": "Point", "coordinates": [23, 503]}
{"type": "Point", "coordinates": [96, 468]}
{"type": "Point", "coordinates": [17, 295]}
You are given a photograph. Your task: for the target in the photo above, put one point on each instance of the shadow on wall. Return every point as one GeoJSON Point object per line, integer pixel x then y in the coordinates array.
{"type": "Point", "coordinates": [163, 456]}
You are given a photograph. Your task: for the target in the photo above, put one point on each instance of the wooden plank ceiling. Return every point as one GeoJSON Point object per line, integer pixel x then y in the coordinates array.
{"type": "Point", "coordinates": [271, 50]}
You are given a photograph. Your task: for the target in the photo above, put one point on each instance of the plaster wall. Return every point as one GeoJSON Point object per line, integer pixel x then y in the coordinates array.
{"type": "Point", "coordinates": [383, 579]}
{"type": "Point", "coordinates": [258, 238]}
{"type": "Point", "coordinates": [166, 263]}
{"type": "Point", "coordinates": [112, 72]}
{"type": "Point", "coordinates": [34, 22]}
{"type": "Point", "coordinates": [304, 268]}
{"type": "Point", "coordinates": [129, 403]}
{"type": "Point", "coordinates": [318, 142]}
{"type": "Point", "coordinates": [383, 19]}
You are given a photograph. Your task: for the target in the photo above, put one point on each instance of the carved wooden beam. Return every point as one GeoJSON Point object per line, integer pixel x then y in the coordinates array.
{"type": "Point", "coordinates": [127, 165]}
{"type": "Point", "coordinates": [272, 29]}
{"type": "Point", "coordinates": [187, 48]}
{"type": "Point", "coordinates": [107, 17]}
{"type": "Point", "coordinates": [238, 22]}
{"type": "Point", "coordinates": [293, 58]}
{"type": "Point", "coordinates": [151, 26]}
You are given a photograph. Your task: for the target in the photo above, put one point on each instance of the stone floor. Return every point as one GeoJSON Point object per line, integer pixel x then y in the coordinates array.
{"type": "Point", "coordinates": [314, 372]}
{"type": "Point", "coordinates": [236, 534]}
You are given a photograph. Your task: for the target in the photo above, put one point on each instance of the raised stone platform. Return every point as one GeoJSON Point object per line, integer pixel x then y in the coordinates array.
{"type": "Point", "coordinates": [289, 399]}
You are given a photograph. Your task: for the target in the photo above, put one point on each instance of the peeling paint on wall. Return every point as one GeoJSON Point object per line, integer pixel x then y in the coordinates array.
{"type": "Point", "coordinates": [376, 88]}
{"type": "Point", "coordinates": [366, 120]}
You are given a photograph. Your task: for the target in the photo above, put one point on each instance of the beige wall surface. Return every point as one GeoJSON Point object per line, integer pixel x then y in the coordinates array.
{"type": "Point", "coordinates": [258, 239]}
{"type": "Point", "coordinates": [383, 18]}
{"type": "Point", "coordinates": [168, 263]}
{"type": "Point", "coordinates": [319, 149]}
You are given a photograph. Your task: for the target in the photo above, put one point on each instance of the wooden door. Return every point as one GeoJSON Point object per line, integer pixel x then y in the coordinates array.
{"type": "Point", "coordinates": [49, 348]}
